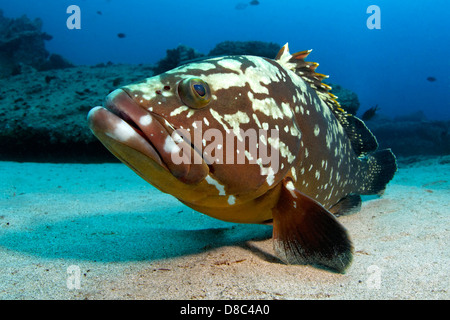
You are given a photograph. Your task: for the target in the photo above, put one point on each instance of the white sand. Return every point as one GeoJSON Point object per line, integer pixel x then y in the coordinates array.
{"type": "Point", "coordinates": [130, 241]}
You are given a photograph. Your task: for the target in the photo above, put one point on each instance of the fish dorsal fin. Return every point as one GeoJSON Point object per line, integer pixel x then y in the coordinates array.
{"type": "Point", "coordinates": [362, 140]}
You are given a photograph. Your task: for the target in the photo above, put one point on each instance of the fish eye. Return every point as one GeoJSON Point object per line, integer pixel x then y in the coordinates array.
{"type": "Point", "coordinates": [194, 92]}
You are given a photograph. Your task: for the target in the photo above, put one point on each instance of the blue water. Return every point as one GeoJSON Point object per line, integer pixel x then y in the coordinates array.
{"type": "Point", "coordinates": [387, 66]}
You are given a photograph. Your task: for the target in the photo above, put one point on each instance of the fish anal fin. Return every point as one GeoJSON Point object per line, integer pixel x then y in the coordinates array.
{"type": "Point", "coordinates": [348, 205]}
{"type": "Point", "coordinates": [304, 232]}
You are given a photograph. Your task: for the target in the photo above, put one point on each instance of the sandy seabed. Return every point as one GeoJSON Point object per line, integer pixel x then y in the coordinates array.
{"type": "Point", "coordinates": [98, 231]}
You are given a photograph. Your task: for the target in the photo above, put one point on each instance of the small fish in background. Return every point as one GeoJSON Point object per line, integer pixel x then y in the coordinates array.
{"type": "Point", "coordinates": [431, 79]}
{"type": "Point", "coordinates": [99, 13]}
{"type": "Point", "coordinates": [370, 113]}
{"type": "Point", "coordinates": [121, 35]}
{"type": "Point", "coordinates": [241, 6]}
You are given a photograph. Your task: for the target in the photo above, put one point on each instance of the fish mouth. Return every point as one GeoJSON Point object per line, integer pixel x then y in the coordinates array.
{"type": "Point", "coordinates": [122, 123]}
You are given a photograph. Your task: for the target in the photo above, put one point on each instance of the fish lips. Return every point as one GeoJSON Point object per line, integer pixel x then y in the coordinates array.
{"type": "Point", "coordinates": [125, 122]}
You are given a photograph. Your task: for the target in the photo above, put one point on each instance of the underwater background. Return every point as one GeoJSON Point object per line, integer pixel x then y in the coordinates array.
{"type": "Point", "coordinates": [69, 209]}
{"type": "Point", "coordinates": [388, 67]}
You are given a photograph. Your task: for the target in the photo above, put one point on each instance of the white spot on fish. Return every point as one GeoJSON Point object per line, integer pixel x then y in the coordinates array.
{"type": "Point", "coordinates": [268, 106]}
{"type": "Point", "coordinates": [218, 117]}
{"type": "Point", "coordinates": [290, 186]}
{"type": "Point", "coordinates": [256, 120]}
{"type": "Point", "coordinates": [270, 176]}
{"type": "Point", "coordinates": [178, 110]}
{"type": "Point", "coordinates": [248, 155]}
{"type": "Point", "coordinates": [316, 130]}
{"type": "Point", "coordinates": [294, 175]}
{"type": "Point", "coordinates": [230, 64]}
{"type": "Point", "coordinates": [235, 121]}
{"type": "Point", "coordinates": [123, 132]}
{"type": "Point", "coordinates": [176, 137]}
{"type": "Point", "coordinates": [218, 186]}
{"type": "Point", "coordinates": [170, 146]}
{"type": "Point", "coordinates": [286, 109]}
{"type": "Point", "coordinates": [145, 120]}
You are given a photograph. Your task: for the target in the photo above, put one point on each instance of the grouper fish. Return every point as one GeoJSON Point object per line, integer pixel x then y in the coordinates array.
{"type": "Point", "coordinates": [248, 139]}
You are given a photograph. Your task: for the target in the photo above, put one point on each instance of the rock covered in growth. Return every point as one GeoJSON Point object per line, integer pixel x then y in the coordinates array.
{"type": "Point", "coordinates": [411, 137]}
{"type": "Point", "coordinates": [347, 98]}
{"type": "Point", "coordinates": [43, 114]}
{"type": "Point", "coordinates": [253, 48]}
{"type": "Point", "coordinates": [22, 45]}
{"type": "Point", "coordinates": [182, 54]}
{"type": "Point", "coordinates": [55, 61]}
{"type": "Point", "coordinates": [176, 57]}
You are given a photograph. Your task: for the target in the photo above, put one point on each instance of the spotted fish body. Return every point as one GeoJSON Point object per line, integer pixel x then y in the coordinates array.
{"type": "Point", "coordinates": [315, 163]}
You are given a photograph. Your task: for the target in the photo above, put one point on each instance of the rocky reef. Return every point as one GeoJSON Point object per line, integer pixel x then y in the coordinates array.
{"type": "Point", "coordinates": [176, 57]}
{"type": "Point", "coordinates": [347, 98]}
{"type": "Point", "coordinates": [412, 137]}
{"type": "Point", "coordinates": [183, 54]}
{"type": "Point", "coordinates": [22, 46]}
{"type": "Point", "coordinates": [43, 114]}
{"type": "Point", "coordinates": [254, 48]}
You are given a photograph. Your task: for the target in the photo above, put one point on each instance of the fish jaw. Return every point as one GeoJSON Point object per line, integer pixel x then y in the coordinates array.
{"type": "Point", "coordinates": [135, 136]}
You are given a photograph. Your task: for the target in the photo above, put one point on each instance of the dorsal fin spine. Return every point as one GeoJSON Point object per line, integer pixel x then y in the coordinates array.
{"type": "Point", "coordinates": [363, 141]}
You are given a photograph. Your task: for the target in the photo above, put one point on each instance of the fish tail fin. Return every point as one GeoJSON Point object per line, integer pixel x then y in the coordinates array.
{"type": "Point", "coordinates": [381, 167]}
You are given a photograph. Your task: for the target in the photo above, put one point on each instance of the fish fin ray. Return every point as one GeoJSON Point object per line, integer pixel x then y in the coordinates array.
{"type": "Point", "coordinates": [381, 167]}
{"type": "Point", "coordinates": [304, 232]}
{"type": "Point", "coordinates": [347, 205]}
{"type": "Point", "coordinates": [362, 139]}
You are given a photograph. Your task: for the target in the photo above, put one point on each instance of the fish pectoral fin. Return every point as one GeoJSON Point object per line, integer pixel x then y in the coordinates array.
{"type": "Point", "coordinates": [304, 232]}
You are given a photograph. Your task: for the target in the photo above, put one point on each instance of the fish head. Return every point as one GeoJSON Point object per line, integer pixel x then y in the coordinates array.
{"type": "Point", "coordinates": [205, 130]}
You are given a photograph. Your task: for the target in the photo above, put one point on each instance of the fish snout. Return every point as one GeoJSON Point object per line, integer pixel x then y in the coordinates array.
{"type": "Point", "coordinates": [123, 120]}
